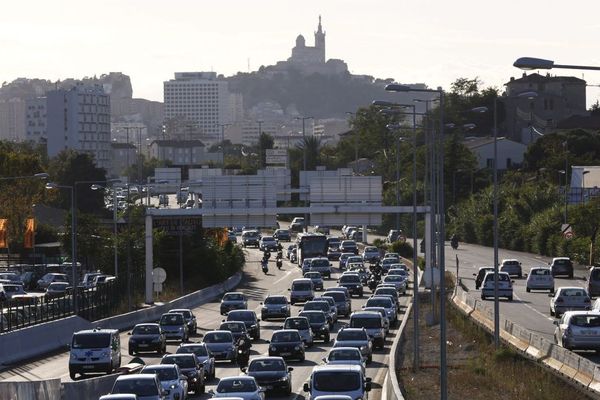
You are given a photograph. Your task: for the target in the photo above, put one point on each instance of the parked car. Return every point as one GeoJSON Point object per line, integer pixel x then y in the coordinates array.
{"type": "Point", "coordinates": [233, 301]}
{"type": "Point", "coordinates": [393, 235]}
{"type": "Point", "coordinates": [569, 299]}
{"type": "Point", "coordinates": [190, 319]}
{"type": "Point", "coordinates": [173, 326]}
{"type": "Point", "coordinates": [562, 266]}
{"type": "Point", "coordinates": [275, 306]}
{"type": "Point", "coordinates": [57, 289]}
{"type": "Point", "coordinates": [287, 343]}
{"type": "Point", "coordinates": [540, 278]}
{"type": "Point", "coordinates": [480, 275]}
{"type": "Point", "coordinates": [173, 382]}
{"type": "Point", "coordinates": [238, 387]}
{"type": "Point", "coordinates": [593, 281]}
{"type": "Point", "coordinates": [271, 373]}
{"type": "Point", "coordinates": [50, 277]}
{"type": "Point", "coordinates": [203, 354]}
{"type": "Point", "coordinates": [147, 337]}
{"type": "Point", "coordinates": [10, 290]}
{"type": "Point", "coordinates": [512, 267]}
{"type": "Point", "coordinates": [282, 235]}
{"type": "Point", "coordinates": [190, 367]}
{"type": "Point", "coordinates": [221, 344]}
{"type": "Point", "coordinates": [316, 279]}
{"type": "Point", "coordinates": [144, 386]}
{"type": "Point", "coordinates": [505, 288]}
{"type": "Point", "coordinates": [302, 325]}
{"type": "Point", "coordinates": [249, 318]}
{"type": "Point", "coordinates": [578, 330]}
{"type": "Point", "coordinates": [355, 337]}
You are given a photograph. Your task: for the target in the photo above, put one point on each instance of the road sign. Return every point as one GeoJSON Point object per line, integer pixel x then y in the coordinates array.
{"type": "Point", "coordinates": [159, 275]}
{"type": "Point", "coordinates": [569, 235]}
{"type": "Point", "coordinates": [175, 226]}
{"type": "Point", "coordinates": [567, 231]}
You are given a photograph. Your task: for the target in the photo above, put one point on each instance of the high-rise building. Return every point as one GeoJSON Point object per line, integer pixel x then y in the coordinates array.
{"type": "Point", "coordinates": [79, 119]}
{"type": "Point", "coordinates": [200, 97]}
{"type": "Point", "coordinates": [12, 119]}
{"type": "Point", "coordinates": [35, 120]}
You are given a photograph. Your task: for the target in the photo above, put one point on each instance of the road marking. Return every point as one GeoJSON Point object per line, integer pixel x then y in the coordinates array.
{"type": "Point", "coordinates": [533, 309]}
{"type": "Point", "coordinates": [283, 277]}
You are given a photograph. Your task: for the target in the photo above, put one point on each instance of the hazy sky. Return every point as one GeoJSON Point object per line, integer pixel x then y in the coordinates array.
{"type": "Point", "coordinates": [429, 41]}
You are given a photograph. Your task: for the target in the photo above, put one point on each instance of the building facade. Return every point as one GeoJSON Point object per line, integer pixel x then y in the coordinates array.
{"type": "Point", "coordinates": [36, 120]}
{"type": "Point", "coordinates": [12, 120]}
{"type": "Point", "coordinates": [123, 155]}
{"type": "Point", "coordinates": [200, 97]}
{"type": "Point", "coordinates": [79, 119]}
{"type": "Point", "coordinates": [510, 153]}
{"type": "Point", "coordinates": [183, 152]}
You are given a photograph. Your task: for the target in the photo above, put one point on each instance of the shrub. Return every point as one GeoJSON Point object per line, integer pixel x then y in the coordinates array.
{"type": "Point", "coordinates": [403, 248]}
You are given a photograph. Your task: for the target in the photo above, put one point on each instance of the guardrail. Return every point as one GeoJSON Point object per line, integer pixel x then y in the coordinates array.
{"type": "Point", "coordinates": [565, 363]}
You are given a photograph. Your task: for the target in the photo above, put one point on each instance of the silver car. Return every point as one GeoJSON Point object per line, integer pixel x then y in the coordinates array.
{"type": "Point", "coordinates": [385, 302]}
{"type": "Point", "coordinates": [243, 387]}
{"type": "Point", "coordinates": [398, 281]}
{"type": "Point", "coordinates": [357, 338]}
{"type": "Point", "coordinates": [512, 267]}
{"type": "Point", "coordinates": [233, 301]}
{"type": "Point", "coordinates": [275, 306]}
{"type": "Point", "coordinates": [302, 325]}
{"type": "Point", "coordinates": [578, 330]}
{"type": "Point", "coordinates": [221, 345]}
{"type": "Point", "coordinates": [145, 386]}
{"type": "Point", "coordinates": [173, 382]}
{"type": "Point", "coordinates": [203, 354]}
{"type": "Point", "coordinates": [569, 299]}
{"type": "Point", "coordinates": [540, 278]}
{"type": "Point", "coordinates": [345, 356]}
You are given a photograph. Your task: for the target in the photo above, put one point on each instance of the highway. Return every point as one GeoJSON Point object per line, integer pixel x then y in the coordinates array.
{"type": "Point", "coordinates": [529, 310]}
{"type": "Point", "coordinates": [256, 286]}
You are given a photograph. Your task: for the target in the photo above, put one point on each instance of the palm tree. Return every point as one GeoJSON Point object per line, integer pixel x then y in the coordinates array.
{"type": "Point", "coordinates": [311, 148]}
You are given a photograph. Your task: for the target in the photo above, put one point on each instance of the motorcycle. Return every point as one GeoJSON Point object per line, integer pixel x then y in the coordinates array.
{"type": "Point", "coordinates": [243, 353]}
{"type": "Point", "coordinates": [454, 243]}
{"type": "Point", "coordinates": [279, 262]}
{"type": "Point", "coordinates": [373, 281]}
{"type": "Point", "coordinates": [265, 266]}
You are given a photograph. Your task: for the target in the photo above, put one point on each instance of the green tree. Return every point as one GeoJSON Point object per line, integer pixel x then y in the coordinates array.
{"type": "Point", "coordinates": [265, 142]}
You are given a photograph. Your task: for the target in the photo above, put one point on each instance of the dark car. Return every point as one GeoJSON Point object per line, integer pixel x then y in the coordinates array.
{"type": "Point", "coordinates": [349, 246]}
{"type": "Point", "coordinates": [287, 343]}
{"type": "Point", "coordinates": [333, 248]}
{"type": "Point", "coordinates": [318, 324]}
{"type": "Point", "coordinates": [275, 306]}
{"type": "Point", "coordinates": [233, 301]}
{"type": "Point", "coordinates": [190, 367]}
{"type": "Point", "coordinates": [190, 319]}
{"type": "Point", "coordinates": [562, 266]}
{"type": "Point", "coordinates": [282, 235]}
{"type": "Point", "coordinates": [271, 373]}
{"type": "Point", "coordinates": [321, 305]}
{"type": "Point", "coordinates": [249, 318]}
{"type": "Point", "coordinates": [237, 328]}
{"type": "Point", "coordinates": [480, 274]}
{"type": "Point", "coordinates": [593, 281]}
{"type": "Point", "coordinates": [352, 282]}
{"type": "Point", "coordinates": [147, 337]}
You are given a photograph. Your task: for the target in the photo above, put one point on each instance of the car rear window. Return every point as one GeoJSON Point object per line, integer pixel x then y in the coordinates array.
{"type": "Point", "coordinates": [585, 321]}
{"type": "Point", "coordinates": [540, 272]}
{"type": "Point", "coordinates": [301, 286]}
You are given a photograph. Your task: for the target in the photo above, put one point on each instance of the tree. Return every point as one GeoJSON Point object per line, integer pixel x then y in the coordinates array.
{"type": "Point", "coordinates": [310, 147]}
{"type": "Point", "coordinates": [265, 142]}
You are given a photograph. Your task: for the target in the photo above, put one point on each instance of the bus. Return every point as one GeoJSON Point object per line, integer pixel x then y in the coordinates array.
{"type": "Point", "coordinates": [311, 245]}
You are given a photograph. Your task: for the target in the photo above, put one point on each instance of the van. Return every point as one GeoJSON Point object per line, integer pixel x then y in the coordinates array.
{"type": "Point", "coordinates": [562, 266]}
{"type": "Point", "coordinates": [341, 380]}
{"type": "Point", "coordinates": [94, 350]}
{"type": "Point", "coordinates": [302, 290]}
{"type": "Point", "coordinates": [373, 323]}
{"type": "Point", "coordinates": [593, 281]}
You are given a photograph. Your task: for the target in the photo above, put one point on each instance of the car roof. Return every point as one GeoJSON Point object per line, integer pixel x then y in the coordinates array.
{"type": "Point", "coordinates": [160, 366]}
{"type": "Point", "coordinates": [239, 377]}
{"type": "Point", "coordinates": [266, 358]}
{"type": "Point", "coordinates": [135, 376]}
{"type": "Point", "coordinates": [300, 280]}
{"type": "Point", "coordinates": [367, 314]}
{"type": "Point", "coordinates": [338, 367]}
{"type": "Point", "coordinates": [98, 330]}
{"type": "Point", "coordinates": [285, 331]}
{"type": "Point", "coordinates": [147, 324]}
{"type": "Point", "coordinates": [180, 309]}
{"type": "Point", "coordinates": [569, 314]}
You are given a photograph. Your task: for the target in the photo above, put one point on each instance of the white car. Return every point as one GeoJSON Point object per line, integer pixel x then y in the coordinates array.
{"type": "Point", "coordinates": [569, 299]}
{"type": "Point", "coordinates": [244, 387]}
{"type": "Point", "coordinates": [345, 356]}
{"type": "Point", "coordinates": [505, 288]}
{"type": "Point", "coordinates": [540, 278]}
{"type": "Point", "coordinates": [171, 379]}
{"type": "Point", "coordinates": [578, 330]}
{"type": "Point", "coordinates": [371, 254]}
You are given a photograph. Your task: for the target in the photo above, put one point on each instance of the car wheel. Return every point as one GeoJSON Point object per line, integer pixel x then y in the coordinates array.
{"type": "Point", "coordinates": [552, 291]}
{"type": "Point", "coordinates": [72, 375]}
{"type": "Point", "coordinates": [551, 312]}
{"type": "Point", "coordinates": [131, 352]}
{"type": "Point", "coordinates": [527, 290]}
{"type": "Point", "coordinates": [326, 339]}
{"type": "Point", "coordinates": [482, 297]}
{"type": "Point", "coordinates": [510, 298]}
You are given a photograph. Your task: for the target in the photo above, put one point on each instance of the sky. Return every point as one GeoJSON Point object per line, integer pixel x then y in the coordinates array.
{"type": "Point", "coordinates": [423, 41]}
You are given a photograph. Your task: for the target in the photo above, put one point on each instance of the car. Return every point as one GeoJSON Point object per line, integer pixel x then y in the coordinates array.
{"type": "Point", "coordinates": [287, 343]}
{"type": "Point", "coordinates": [349, 246]}
{"type": "Point", "coordinates": [562, 266]}
{"type": "Point", "coordinates": [289, 250]}
{"type": "Point", "coordinates": [318, 324]}
{"type": "Point", "coordinates": [395, 256]}
{"type": "Point", "coordinates": [147, 337]}
{"type": "Point", "coordinates": [398, 271]}
{"type": "Point", "coordinates": [505, 288]}
{"type": "Point", "coordinates": [275, 306]}
{"type": "Point", "coordinates": [57, 289]}
{"type": "Point", "coordinates": [357, 235]}
{"type": "Point", "coordinates": [316, 279]}
{"type": "Point", "coordinates": [354, 259]}
{"type": "Point", "coordinates": [343, 258]}
{"type": "Point", "coordinates": [386, 264]}
{"type": "Point", "coordinates": [393, 235]}
{"type": "Point", "coordinates": [120, 396]}
{"type": "Point", "coordinates": [355, 337]}
{"type": "Point", "coordinates": [249, 318]}
{"type": "Point", "coordinates": [371, 254]}
{"type": "Point", "coordinates": [94, 350]}
{"type": "Point", "coordinates": [282, 235]}
{"type": "Point", "coordinates": [243, 387]}
{"type": "Point", "coordinates": [203, 355]}
{"type": "Point", "coordinates": [373, 323]}
{"type": "Point", "coordinates": [271, 373]}
{"type": "Point", "coordinates": [359, 270]}
{"type": "Point", "coordinates": [297, 224]}
{"type": "Point", "coordinates": [173, 382]}
{"type": "Point", "coordinates": [345, 356]}
{"type": "Point", "coordinates": [174, 327]}
{"type": "Point", "coordinates": [250, 238]}
{"type": "Point", "coordinates": [381, 311]}
{"type": "Point", "coordinates": [88, 279]}
{"type": "Point", "coordinates": [322, 229]}
{"type": "Point", "coordinates": [50, 277]}
{"type": "Point", "coordinates": [302, 290]}
{"type": "Point", "coordinates": [540, 278]}
{"type": "Point", "coordinates": [237, 329]}
{"type": "Point", "coordinates": [352, 282]}
{"type": "Point", "coordinates": [190, 367]}
{"type": "Point", "coordinates": [480, 275]}
{"type": "Point", "coordinates": [232, 237]}
{"type": "Point", "coordinates": [333, 248]}
{"type": "Point", "coordinates": [233, 301]}
{"type": "Point", "coordinates": [346, 229]}
{"type": "Point", "coordinates": [332, 307]}
{"type": "Point", "coordinates": [512, 267]}
{"type": "Point", "coordinates": [342, 300]}
{"type": "Point", "coordinates": [10, 290]}
{"type": "Point", "coordinates": [144, 386]}
{"type": "Point", "coordinates": [388, 291]}
{"type": "Point", "coordinates": [578, 330]}
{"type": "Point", "coordinates": [11, 277]}
{"type": "Point", "coordinates": [327, 381]}
{"type": "Point", "coordinates": [190, 319]}
{"type": "Point", "coordinates": [321, 265]}
{"type": "Point", "coordinates": [221, 344]}
{"type": "Point", "coordinates": [398, 281]}
{"type": "Point", "coordinates": [569, 299]}
{"type": "Point", "coordinates": [302, 325]}
{"type": "Point", "coordinates": [385, 302]}
{"type": "Point", "coordinates": [305, 265]}
{"type": "Point", "coordinates": [321, 306]}
{"type": "Point", "coordinates": [593, 281]}
{"type": "Point", "coordinates": [267, 243]}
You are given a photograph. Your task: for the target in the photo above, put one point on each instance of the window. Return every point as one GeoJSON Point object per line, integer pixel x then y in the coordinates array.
{"type": "Point", "coordinates": [489, 163]}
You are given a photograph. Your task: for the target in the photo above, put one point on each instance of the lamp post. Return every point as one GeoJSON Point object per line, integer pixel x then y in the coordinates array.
{"type": "Point", "coordinates": [352, 114]}
{"type": "Point", "coordinates": [563, 172]}
{"type": "Point", "coordinates": [529, 63]}
{"type": "Point", "coordinates": [260, 151]}
{"type": "Point", "coordinates": [115, 247]}
{"type": "Point", "coordinates": [304, 141]}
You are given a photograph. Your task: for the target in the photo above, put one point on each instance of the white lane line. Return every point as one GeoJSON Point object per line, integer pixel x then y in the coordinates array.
{"type": "Point", "coordinates": [283, 277]}
{"type": "Point", "coordinates": [533, 309]}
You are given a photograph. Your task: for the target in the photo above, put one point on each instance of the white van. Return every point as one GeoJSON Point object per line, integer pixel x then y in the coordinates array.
{"type": "Point", "coordinates": [302, 290]}
{"type": "Point", "coordinates": [346, 380]}
{"type": "Point", "coordinates": [94, 350]}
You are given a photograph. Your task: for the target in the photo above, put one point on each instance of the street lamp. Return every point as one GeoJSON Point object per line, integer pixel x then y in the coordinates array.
{"type": "Point", "coordinates": [114, 193]}
{"type": "Point", "coordinates": [529, 63]}
{"type": "Point", "coordinates": [350, 113]}
{"type": "Point", "coordinates": [40, 175]}
{"type": "Point", "coordinates": [304, 141]}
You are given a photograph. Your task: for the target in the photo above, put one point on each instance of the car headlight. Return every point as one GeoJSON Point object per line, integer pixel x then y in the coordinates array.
{"type": "Point", "coordinates": [364, 348]}
{"type": "Point", "coordinates": [283, 379]}
{"type": "Point", "coordinates": [284, 308]}
{"type": "Point", "coordinates": [272, 348]}
{"type": "Point", "coordinates": [104, 354]}
{"type": "Point", "coordinates": [180, 328]}
{"type": "Point", "coordinates": [296, 348]}
{"type": "Point", "coordinates": [172, 386]}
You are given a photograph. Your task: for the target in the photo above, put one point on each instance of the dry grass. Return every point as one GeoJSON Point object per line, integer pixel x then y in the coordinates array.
{"type": "Point", "coordinates": [476, 369]}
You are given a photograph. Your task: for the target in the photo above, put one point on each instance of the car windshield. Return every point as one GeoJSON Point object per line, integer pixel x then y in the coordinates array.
{"type": "Point", "coordinates": [302, 286]}
{"type": "Point", "coordinates": [186, 313]}
{"type": "Point", "coordinates": [585, 321]}
{"type": "Point", "coordinates": [285, 337]}
{"type": "Point", "coordinates": [140, 387]}
{"type": "Point", "coordinates": [337, 296]}
{"type": "Point", "coordinates": [315, 317]}
{"type": "Point", "coordinates": [380, 310]}
{"type": "Point", "coordinates": [183, 361]}
{"type": "Point", "coordinates": [90, 340]}
{"type": "Point", "coordinates": [200, 351]}
{"type": "Point", "coordinates": [236, 386]}
{"type": "Point", "coordinates": [316, 305]}
{"type": "Point", "coordinates": [164, 374]}
{"type": "Point", "coordinates": [233, 297]}
{"type": "Point", "coordinates": [386, 291]}
{"type": "Point", "coordinates": [218, 337]}
{"type": "Point", "coordinates": [296, 323]}
{"type": "Point", "coordinates": [381, 302]}
{"type": "Point", "coordinates": [346, 334]}
{"type": "Point", "coordinates": [562, 262]}
{"type": "Point", "coordinates": [344, 355]}
{"type": "Point", "coordinates": [268, 239]}
{"type": "Point", "coordinates": [13, 288]}
{"type": "Point", "coordinates": [312, 275]}
{"type": "Point", "coordinates": [240, 316]}
{"type": "Point", "coordinates": [354, 259]}
{"type": "Point", "coordinates": [349, 278]}
{"type": "Point", "coordinates": [358, 322]}
{"type": "Point", "coordinates": [337, 381]}
{"type": "Point", "coordinates": [233, 327]}
{"type": "Point", "coordinates": [275, 300]}
{"type": "Point", "coordinates": [146, 330]}
{"type": "Point", "coordinates": [171, 319]}
{"type": "Point", "coordinates": [266, 365]}
{"type": "Point", "coordinates": [393, 278]}
{"type": "Point", "coordinates": [319, 263]}
{"type": "Point", "coordinates": [501, 277]}
{"type": "Point", "coordinates": [371, 250]}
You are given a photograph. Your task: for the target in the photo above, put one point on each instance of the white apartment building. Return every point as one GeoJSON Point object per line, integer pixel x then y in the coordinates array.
{"type": "Point", "coordinates": [12, 119]}
{"type": "Point", "coordinates": [200, 97]}
{"type": "Point", "coordinates": [35, 120]}
{"type": "Point", "coordinates": [251, 130]}
{"type": "Point", "coordinates": [79, 119]}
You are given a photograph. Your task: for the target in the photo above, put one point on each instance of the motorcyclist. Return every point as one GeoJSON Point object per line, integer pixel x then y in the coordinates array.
{"type": "Point", "coordinates": [243, 354]}
{"type": "Point", "coordinates": [454, 241]}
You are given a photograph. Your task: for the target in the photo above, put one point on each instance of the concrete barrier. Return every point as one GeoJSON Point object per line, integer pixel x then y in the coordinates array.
{"type": "Point", "coordinates": [91, 388]}
{"type": "Point", "coordinates": [535, 349]}
{"type": "Point", "coordinates": [555, 355]}
{"type": "Point", "coordinates": [585, 373]}
{"type": "Point", "coordinates": [595, 384]}
{"type": "Point", "coordinates": [519, 337]}
{"type": "Point", "coordinates": [38, 390]}
{"type": "Point", "coordinates": [570, 365]}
